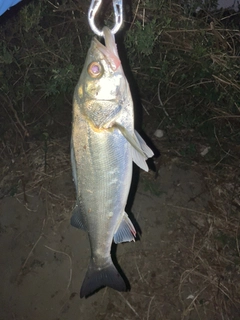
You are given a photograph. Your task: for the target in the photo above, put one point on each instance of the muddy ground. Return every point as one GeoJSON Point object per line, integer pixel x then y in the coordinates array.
{"type": "Point", "coordinates": [44, 259]}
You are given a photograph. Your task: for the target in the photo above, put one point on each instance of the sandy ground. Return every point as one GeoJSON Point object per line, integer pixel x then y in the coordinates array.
{"type": "Point", "coordinates": [44, 259]}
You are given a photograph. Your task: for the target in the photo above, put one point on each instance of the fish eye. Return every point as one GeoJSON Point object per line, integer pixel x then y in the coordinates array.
{"type": "Point", "coordinates": [95, 69]}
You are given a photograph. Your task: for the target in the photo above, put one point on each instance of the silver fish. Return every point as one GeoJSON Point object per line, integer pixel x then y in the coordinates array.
{"type": "Point", "coordinates": [104, 144]}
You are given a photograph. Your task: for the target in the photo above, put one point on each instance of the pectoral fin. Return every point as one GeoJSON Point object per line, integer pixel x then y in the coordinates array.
{"type": "Point", "coordinates": [76, 219]}
{"type": "Point", "coordinates": [126, 231]}
{"type": "Point", "coordinates": [140, 151]}
{"type": "Point", "coordinates": [148, 152]}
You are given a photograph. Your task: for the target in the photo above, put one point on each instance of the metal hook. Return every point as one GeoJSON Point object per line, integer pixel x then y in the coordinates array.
{"type": "Point", "coordinates": [118, 12]}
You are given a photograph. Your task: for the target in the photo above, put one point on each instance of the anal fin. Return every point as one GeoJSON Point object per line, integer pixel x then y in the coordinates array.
{"type": "Point", "coordinates": [126, 231]}
{"type": "Point", "coordinates": [76, 219]}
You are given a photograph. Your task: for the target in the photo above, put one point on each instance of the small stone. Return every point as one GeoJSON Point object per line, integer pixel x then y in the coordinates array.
{"type": "Point", "coordinates": [205, 151]}
{"type": "Point", "coordinates": [159, 133]}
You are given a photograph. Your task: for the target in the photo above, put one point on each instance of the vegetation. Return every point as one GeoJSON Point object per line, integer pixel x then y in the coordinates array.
{"type": "Point", "coordinates": [189, 68]}
{"type": "Point", "coordinates": [41, 58]}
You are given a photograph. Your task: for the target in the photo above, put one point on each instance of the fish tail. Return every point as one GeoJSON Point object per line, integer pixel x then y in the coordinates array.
{"type": "Point", "coordinates": [97, 278]}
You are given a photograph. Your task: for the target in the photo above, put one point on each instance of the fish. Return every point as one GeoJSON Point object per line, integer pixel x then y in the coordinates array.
{"type": "Point", "coordinates": [104, 146]}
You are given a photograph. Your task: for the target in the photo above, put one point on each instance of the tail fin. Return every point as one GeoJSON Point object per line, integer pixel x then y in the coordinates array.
{"type": "Point", "coordinates": [101, 277]}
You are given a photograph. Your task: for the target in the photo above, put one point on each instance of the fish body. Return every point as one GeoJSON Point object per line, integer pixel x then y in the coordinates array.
{"type": "Point", "coordinates": [103, 147]}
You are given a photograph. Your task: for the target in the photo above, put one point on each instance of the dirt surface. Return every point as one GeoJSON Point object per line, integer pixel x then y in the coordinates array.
{"type": "Point", "coordinates": [44, 259]}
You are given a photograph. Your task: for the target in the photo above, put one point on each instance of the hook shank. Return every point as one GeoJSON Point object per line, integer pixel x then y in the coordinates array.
{"type": "Point", "coordinates": [118, 12]}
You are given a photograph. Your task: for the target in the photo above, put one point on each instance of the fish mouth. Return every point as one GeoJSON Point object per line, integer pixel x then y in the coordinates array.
{"type": "Point", "coordinates": [110, 48]}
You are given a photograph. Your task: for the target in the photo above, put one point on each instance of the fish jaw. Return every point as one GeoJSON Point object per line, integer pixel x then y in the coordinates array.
{"type": "Point", "coordinates": [110, 49]}
{"type": "Point", "coordinates": [112, 58]}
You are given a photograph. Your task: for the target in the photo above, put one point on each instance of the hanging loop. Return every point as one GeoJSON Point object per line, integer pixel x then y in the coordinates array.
{"type": "Point", "coordinates": [118, 12]}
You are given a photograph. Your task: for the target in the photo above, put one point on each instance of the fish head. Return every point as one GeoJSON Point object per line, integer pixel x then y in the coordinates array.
{"type": "Point", "coordinates": [102, 87]}
{"type": "Point", "coordinates": [102, 77]}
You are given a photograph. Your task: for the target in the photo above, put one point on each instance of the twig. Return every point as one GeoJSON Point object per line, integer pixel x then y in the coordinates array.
{"type": "Point", "coordinates": [129, 305]}
{"type": "Point", "coordinates": [135, 14]}
{"type": "Point", "coordinates": [56, 7]}
{"type": "Point", "coordinates": [230, 83]}
{"type": "Point", "coordinates": [70, 260]}
{"type": "Point", "coordinates": [31, 251]}
{"type": "Point", "coordinates": [26, 134]}
{"type": "Point", "coordinates": [226, 154]}
{"type": "Point", "coordinates": [218, 36]}
{"type": "Point", "coordinates": [193, 302]}
{"type": "Point", "coordinates": [237, 243]}
{"type": "Point", "coordinates": [191, 210]}
{"type": "Point", "coordinates": [148, 312]}
{"type": "Point", "coordinates": [138, 270]}
{"type": "Point", "coordinates": [145, 110]}
{"type": "Point", "coordinates": [78, 33]}
{"type": "Point", "coordinates": [161, 103]}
